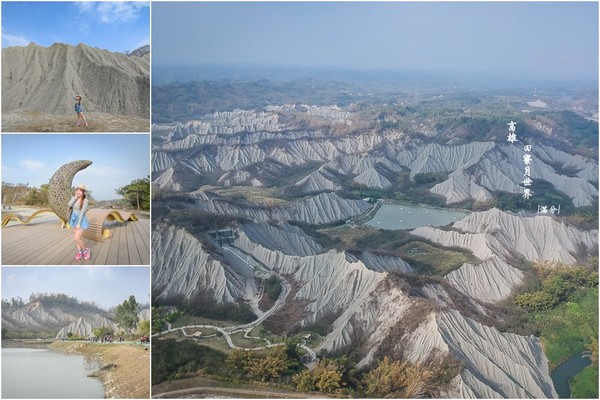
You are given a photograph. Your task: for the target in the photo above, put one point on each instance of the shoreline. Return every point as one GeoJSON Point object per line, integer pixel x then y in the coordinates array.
{"type": "Point", "coordinates": [124, 369]}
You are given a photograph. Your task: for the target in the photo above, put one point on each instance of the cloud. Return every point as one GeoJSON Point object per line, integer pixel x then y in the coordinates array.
{"type": "Point", "coordinates": [109, 12]}
{"type": "Point", "coordinates": [9, 40]}
{"type": "Point", "coordinates": [84, 6]}
{"type": "Point", "coordinates": [33, 166]}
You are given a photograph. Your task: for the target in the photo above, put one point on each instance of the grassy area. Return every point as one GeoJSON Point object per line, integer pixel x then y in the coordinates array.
{"type": "Point", "coordinates": [433, 260]}
{"type": "Point", "coordinates": [426, 258]}
{"type": "Point", "coordinates": [567, 328]}
{"type": "Point", "coordinates": [172, 359]}
{"type": "Point", "coordinates": [585, 384]}
{"type": "Point", "coordinates": [186, 320]}
{"type": "Point", "coordinates": [254, 195]}
{"type": "Point", "coordinates": [239, 340]}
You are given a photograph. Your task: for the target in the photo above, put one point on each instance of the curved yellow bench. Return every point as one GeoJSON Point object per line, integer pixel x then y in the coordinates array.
{"type": "Point", "coordinates": [23, 220]}
{"type": "Point", "coordinates": [96, 217]}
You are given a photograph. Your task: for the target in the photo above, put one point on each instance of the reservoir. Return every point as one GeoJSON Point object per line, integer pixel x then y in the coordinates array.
{"type": "Point", "coordinates": [565, 371]}
{"type": "Point", "coordinates": [43, 373]}
{"type": "Point", "coordinates": [403, 216]}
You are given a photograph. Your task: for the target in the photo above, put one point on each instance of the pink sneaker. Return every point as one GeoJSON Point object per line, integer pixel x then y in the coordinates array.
{"type": "Point", "coordinates": [78, 256]}
{"type": "Point", "coordinates": [87, 254]}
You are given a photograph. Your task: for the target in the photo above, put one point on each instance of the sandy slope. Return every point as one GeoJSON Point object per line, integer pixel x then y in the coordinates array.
{"type": "Point", "coordinates": [131, 376]}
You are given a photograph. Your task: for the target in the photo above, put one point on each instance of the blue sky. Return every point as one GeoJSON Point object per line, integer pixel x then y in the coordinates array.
{"type": "Point", "coordinates": [117, 159]}
{"type": "Point", "coordinates": [554, 40]}
{"type": "Point", "coordinates": [115, 26]}
{"type": "Point", "coordinates": [107, 286]}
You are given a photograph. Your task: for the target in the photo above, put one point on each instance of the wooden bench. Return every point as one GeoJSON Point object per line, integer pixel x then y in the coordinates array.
{"type": "Point", "coordinates": [97, 217]}
{"type": "Point", "coordinates": [20, 219]}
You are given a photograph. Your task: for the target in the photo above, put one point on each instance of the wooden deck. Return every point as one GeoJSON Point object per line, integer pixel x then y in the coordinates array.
{"type": "Point", "coordinates": [44, 242]}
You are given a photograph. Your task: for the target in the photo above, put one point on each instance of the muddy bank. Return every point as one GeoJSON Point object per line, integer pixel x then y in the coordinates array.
{"type": "Point", "coordinates": [124, 368]}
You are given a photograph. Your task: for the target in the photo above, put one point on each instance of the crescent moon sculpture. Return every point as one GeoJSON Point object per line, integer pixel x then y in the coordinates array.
{"type": "Point", "coordinates": [60, 187]}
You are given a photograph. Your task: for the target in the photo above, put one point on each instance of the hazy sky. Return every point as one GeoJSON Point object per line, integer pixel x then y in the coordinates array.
{"type": "Point", "coordinates": [115, 26]}
{"type": "Point", "coordinates": [541, 39]}
{"type": "Point", "coordinates": [117, 159]}
{"type": "Point", "coordinates": [107, 286]}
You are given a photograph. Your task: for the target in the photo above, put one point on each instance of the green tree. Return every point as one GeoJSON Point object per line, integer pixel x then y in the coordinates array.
{"type": "Point", "coordinates": [305, 381]}
{"type": "Point", "coordinates": [102, 331]}
{"type": "Point", "coordinates": [137, 193]}
{"type": "Point", "coordinates": [240, 360]}
{"type": "Point", "coordinates": [268, 368]}
{"type": "Point", "coordinates": [398, 379]}
{"type": "Point", "coordinates": [143, 328]}
{"type": "Point", "coordinates": [126, 314]}
{"type": "Point", "coordinates": [326, 377]}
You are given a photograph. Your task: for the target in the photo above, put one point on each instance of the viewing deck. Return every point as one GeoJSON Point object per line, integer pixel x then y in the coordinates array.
{"type": "Point", "coordinates": [44, 242]}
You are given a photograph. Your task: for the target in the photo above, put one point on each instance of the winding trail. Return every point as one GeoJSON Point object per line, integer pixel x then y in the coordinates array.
{"type": "Point", "coordinates": [247, 328]}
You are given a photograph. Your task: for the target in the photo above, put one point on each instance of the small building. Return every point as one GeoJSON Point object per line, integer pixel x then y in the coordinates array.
{"type": "Point", "coordinates": [226, 235]}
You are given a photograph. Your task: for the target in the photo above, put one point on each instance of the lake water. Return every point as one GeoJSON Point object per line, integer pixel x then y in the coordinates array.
{"type": "Point", "coordinates": [43, 373]}
{"type": "Point", "coordinates": [402, 216]}
{"type": "Point", "coordinates": [565, 371]}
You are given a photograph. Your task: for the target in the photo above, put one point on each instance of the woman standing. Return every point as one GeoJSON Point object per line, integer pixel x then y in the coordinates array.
{"type": "Point", "coordinates": [79, 110]}
{"type": "Point", "coordinates": [78, 221]}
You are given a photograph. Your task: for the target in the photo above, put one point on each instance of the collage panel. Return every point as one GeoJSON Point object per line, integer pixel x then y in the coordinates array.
{"type": "Point", "coordinates": [75, 333]}
{"type": "Point", "coordinates": [75, 236]}
{"type": "Point", "coordinates": [336, 199]}
{"type": "Point", "coordinates": [75, 199]}
{"type": "Point", "coordinates": [75, 66]}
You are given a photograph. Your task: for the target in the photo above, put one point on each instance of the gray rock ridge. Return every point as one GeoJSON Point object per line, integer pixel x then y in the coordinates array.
{"type": "Point", "coordinates": [182, 267]}
{"type": "Point", "coordinates": [35, 316]}
{"type": "Point", "coordinates": [374, 179]}
{"type": "Point", "coordinates": [496, 365]}
{"type": "Point", "coordinates": [46, 79]}
{"type": "Point", "coordinates": [319, 181]}
{"type": "Point", "coordinates": [370, 303]}
{"type": "Point", "coordinates": [323, 208]}
{"type": "Point", "coordinates": [495, 232]}
{"type": "Point", "coordinates": [84, 326]}
{"type": "Point", "coordinates": [334, 283]}
{"type": "Point", "coordinates": [367, 302]}
{"type": "Point", "coordinates": [250, 138]}
{"type": "Point", "coordinates": [282, 237]}
{"type": "Point", "coordinates": [490, 281]}
{"type": "Point", "coordinates": [495, 237]}
{"type": "Point", "coordinates": [476, 169]}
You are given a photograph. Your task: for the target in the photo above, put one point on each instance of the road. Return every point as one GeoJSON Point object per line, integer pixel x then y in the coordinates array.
{"type": "Point", "coordinates": [234, 393]}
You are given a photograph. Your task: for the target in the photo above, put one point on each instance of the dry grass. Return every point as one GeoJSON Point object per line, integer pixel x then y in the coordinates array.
{"type": "Point", "coordinates": [260, 196]}
{"type": "Point", "coordinates": [131, 376]}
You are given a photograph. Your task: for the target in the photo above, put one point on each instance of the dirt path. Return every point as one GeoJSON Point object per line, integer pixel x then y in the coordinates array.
{"type": "Point", "coordinates": [201, 387]}
{"type": "Point", "coordinates": [127, 367]}
{"type": "Point", "coordinates": [32, 121]}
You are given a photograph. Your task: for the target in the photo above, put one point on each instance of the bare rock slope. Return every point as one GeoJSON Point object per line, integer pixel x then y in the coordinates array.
{"type": "Point", "coordinates": [46, 79]}
{"type": "Point", "coordinates": [495, 232]}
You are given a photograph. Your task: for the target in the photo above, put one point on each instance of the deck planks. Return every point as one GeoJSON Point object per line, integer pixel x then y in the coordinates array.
{"type": "Point", "coordinates": [44, 242]}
